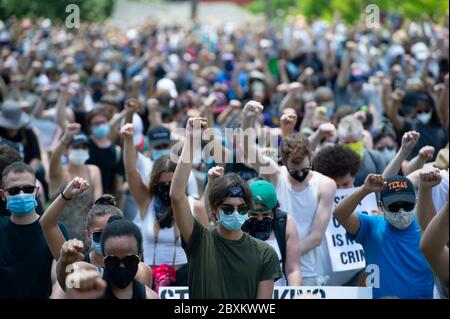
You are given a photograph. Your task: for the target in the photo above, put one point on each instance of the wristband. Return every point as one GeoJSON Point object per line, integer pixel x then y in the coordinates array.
{"type": "Point", "coordinates": [62, 195]}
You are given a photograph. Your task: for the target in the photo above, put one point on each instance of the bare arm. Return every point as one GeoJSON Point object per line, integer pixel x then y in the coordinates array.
{"type": "Point", "coordinates": [265, 289]}
{"type": "Point", "coordinates": [200, 213]}
{"type": "Point", "coordinates": [283, 73]}
{"type": "Point", "coordinates": [266, 167]}
{"type": "Point", "coordinates": [409, 141]}
{"type": "Point", "coordinates": [97, 186]}
{"type": "Point", "coordinates": [180, 204]}
{"type": "Point", "coordinates": [434, 244]}
{"type": "Point", "coordinates": [345, 66]}
{"type": "Point", "coordinates": [293, 269]}
{"type": "Point", "coordinates": [138, 189]}
{"type": "Point", "coordinates": [425, 154]}
{"type": "Point", "coordinates": [392, 110]}
{"type": "Point", "coordinates": [344, 211]}
{"type": "Point", "coordinates": [223, 117]}
{"type": "Point", "coordinates": [425, 205]}
{"type": "Point", "coordinates": [295, 89]}
{"type": "Point", "coordinates": [49, 220]}
{"type": "Point", "coordinates": [61, 107]}
{"type": "Point", "coordinates": [154, 116]}
{"type": "Point", "coordinates": [327, 191]}
{"type": "Point", "coordinates": [325, 130]}
{"type": "Point", "coordinates": [56, 172]}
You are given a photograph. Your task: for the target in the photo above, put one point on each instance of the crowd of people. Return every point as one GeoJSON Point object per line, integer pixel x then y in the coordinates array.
{"type": "Point", "coordinates": [124, 168]}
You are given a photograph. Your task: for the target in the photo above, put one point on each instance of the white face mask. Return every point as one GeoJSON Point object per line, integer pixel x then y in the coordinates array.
{"type": "Point", "coordinates": [78, 156]}
{"type": "Point", "coordinates": [424, 118]}
{"type": "Point", "coordinates": [400, 220]}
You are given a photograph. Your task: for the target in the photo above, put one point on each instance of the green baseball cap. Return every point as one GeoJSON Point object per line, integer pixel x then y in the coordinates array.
{"type": "Point", "coordinates": [264, 193]}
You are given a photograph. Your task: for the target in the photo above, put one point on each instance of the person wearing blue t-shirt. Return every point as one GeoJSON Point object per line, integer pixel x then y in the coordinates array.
{"type": "Point", "coordinates": [392, 241]}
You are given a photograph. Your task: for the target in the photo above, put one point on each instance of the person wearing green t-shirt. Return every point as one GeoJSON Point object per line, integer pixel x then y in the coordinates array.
{"type": "Point", "coordinates": [224, 262]}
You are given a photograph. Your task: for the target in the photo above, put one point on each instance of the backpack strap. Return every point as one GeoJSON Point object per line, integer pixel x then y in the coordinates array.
{"type": "Point", "coordinates": [280, 223]}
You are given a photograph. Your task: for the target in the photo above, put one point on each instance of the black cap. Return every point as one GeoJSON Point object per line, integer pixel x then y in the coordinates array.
{"type": "Point", "coordinates": [79, 139]}
{"type": "Point", "coordinates": [159, 135]}
{"type": "Point", "coordinates": [399, 189]}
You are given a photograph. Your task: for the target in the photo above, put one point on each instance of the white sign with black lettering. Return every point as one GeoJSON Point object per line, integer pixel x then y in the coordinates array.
{"type": "Point", "coordinates": [346, 254]}
{"type": "Point", "coordinates": [284, 292]}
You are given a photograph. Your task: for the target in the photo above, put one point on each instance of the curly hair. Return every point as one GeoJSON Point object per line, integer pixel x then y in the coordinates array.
{"type": "Point", "coordinates": [336, 161]}
{"type": "Point", "coordinates": [297, 145]}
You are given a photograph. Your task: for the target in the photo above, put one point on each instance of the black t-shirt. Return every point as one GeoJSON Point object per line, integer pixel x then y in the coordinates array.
{"type": "Point", "coordinates": [27, 144]}
{"type": "Point", "coordinates": [433, 135]}
{"type": "Point", "coordinates": [25, 261]}
{"type": "Point", "coordinates": [109, 161]}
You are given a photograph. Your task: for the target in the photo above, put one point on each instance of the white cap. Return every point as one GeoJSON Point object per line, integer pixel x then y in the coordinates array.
{"type": "Point", "coordinates": [114, 76]}
{"type": "Point", "coordinates": [420, 50]}
{"type": "Point", "coordinates": [167, 85]}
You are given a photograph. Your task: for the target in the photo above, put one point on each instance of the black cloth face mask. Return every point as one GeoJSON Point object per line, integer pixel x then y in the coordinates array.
{"type": "Point", "coordinates": [300, 178]}
{"type": "Point", "coordinates": [260, 229]}
{"type": "Point", "coordinates": [163, 210]}
{"type": "Point", "coordinates": [121, 277]}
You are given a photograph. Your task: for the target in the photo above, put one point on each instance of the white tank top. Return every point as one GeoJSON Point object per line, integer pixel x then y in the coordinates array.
{"type": "Point", "coordinates": [168, 249]}
{"type": "Point", "coordinates": [274, 244]}
{"type": "Point", "coordinates": [302, 207]}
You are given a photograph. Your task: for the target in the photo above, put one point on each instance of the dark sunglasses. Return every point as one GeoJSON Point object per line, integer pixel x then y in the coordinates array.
{"type": "Point", "coordinates": [382, 148]}
{"type": "Point", "coordinates": [129, 261]}
{"type": "Point", "coordinates": [28, 189]}
{"type": "Point", "coordinates": [96, 236]}
{"type": "Point", "coordinates": [228, 210]}
{"type": "Point", "coordinates": [395, 207]}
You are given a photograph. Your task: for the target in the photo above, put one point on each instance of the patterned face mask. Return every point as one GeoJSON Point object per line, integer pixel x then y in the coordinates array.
{"type": "Point", "coordinates": [401, 219]}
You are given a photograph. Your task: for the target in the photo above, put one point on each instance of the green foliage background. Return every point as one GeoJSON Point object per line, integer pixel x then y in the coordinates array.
{"type": "Point", "coordinates": [351, 10]}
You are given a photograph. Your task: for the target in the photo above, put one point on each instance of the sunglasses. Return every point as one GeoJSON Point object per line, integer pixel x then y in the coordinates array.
{"type": "Point", "coordinates": [382, 148]}
{"type": "Point", "coordinates": [130, 261]}
{"type": "Point", "coordinates": [96, 236]}
{"type": "Point", "coordinates": [27, 189]}
{"type": "Point", "coordinates": [395, 207]}
{"type": "Point", "coordinates": [228, 210]}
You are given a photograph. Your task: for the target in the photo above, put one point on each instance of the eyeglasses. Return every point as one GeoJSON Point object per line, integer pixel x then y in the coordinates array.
{"type": "Point", "coordinates": [395, 207]}
{"type": "Point", "coordinates": [27, 189]}
{"type": "Point", "coordinates": [228, 210]}
{"type": "Point", "coordinates": [96, 236]}
{"type": "Point", "coordinates": [382, 148]}
{"type": "Point", "coordinates": [114, 262]}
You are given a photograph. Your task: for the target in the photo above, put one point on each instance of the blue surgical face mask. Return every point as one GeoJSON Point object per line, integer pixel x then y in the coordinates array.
{"type": "Point", "coordinates": [21, 204]}
{"type": "Point", "coordinates": [158, 153]}
{"type": "Point", "coordinates": [388, 154]}
{"type": "Point", "coordinates": [97, 247]}
{"type": "Point", "coordinates": [101, 131]}
{"type": "Point", "coordinates": [233, 221]}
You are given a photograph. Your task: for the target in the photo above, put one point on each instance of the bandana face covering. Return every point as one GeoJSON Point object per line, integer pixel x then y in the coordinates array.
{"type": "Point", "coordinates": [163, 209]}
{"type": "Point", "coordinates": [260, 229]}
{"type": "Point", "coordinates": [357, 147]}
